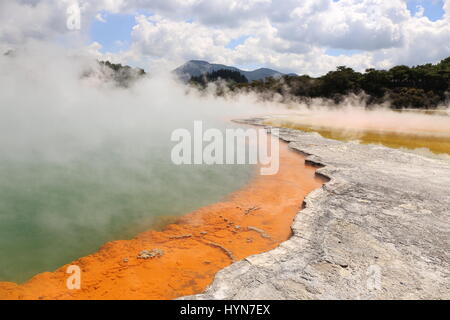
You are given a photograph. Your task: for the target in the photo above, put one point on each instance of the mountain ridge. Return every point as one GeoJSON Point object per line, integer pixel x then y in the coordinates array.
{"type": "Point", "coordinates": [195, 68]}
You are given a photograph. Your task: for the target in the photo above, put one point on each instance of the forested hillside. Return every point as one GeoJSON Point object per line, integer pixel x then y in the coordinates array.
{"type": "Point", "coordinates": [424, 86]}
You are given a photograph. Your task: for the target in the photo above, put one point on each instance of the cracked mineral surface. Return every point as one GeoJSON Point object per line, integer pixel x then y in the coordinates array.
{"type": "Point", "coordinates": [379, 229]}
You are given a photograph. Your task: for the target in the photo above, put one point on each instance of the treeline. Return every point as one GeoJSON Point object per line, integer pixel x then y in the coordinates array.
{"type": "Point", "coordinates": [122, 75]}
{"type": "Point", "coordinates": [117, 67]}
{"type": "Point", "coordinates": [230, 76]}
{"type": "Point", "coordinates": [424, 86]}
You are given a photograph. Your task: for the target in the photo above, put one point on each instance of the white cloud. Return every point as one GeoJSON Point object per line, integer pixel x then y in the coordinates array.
{"type": "Point", "coordinates": [420, 11]}
{"type": "Point", "coordinates": [159, 37]}
{"type": "Point", "coordinates": [288, 34]}
{"type": "Point", "coordinates": [347, 24]}
{"type": "Point", "coordinates": [447, 9]}
{"type": "Point", "coordinates": [100, 17]}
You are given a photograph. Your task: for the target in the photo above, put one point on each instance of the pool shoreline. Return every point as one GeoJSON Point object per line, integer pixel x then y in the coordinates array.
{"type": "Point", "coordinates": [378, 229]}
{"type": "Point", "coordinates": [255, 219]}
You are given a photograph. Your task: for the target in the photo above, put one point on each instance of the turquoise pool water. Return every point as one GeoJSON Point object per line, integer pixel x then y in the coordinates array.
{"type": "Point", "coordinates": [53, 211]}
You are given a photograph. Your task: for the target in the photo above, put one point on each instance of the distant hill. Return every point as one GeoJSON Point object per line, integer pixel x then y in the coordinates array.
{"type": "Point", "coordinates": [419, 87]}
{"type": "Point", "coordinates": [222, 74]}
{"type": "Point", "coordinates": [195, 68]}
{"type": "Point", "coordinates": [121, 75]}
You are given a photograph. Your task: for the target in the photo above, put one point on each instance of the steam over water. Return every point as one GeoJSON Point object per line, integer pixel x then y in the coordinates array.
{"type": "Point", "coordinates": [427, 133]}
{"type": "Point", "coordinates": [54, 212]}
{"type": "Point", "coordinates": [83, 162]}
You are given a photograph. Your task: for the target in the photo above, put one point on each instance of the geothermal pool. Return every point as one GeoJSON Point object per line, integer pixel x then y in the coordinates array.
{"type": "Point", "coordinates": [426, 133]}
{"type": "Point", "coordinates": [54, 210]}
{"type": "Point", "coordinates": [251, 220]}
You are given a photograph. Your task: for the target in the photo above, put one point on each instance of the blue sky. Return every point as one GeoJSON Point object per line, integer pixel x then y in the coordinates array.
{"type": "Point", "coordinates": [115, 34]}
{"type": "Point", "coordinates": [117, 28]}
{"type": "Point", "coordinates": [304, 36]}
{"type": "Point", "coordinates": [237, 41]}
{"type": "Point", "coordinates": [433, 8]}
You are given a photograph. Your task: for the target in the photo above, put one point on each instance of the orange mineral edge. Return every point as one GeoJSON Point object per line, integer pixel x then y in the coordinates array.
{"type": "Point", "coordinates": [254, 219]}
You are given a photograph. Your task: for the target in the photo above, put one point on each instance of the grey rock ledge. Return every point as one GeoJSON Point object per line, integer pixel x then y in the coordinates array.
{"type": "Point", "coordinates": [379, 229]}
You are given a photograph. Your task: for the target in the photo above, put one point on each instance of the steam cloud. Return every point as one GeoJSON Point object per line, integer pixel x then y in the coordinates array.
{"type": "Point", "coordinates": [83, 161]}
{"type": "Point", "coordinates": [100, 144]}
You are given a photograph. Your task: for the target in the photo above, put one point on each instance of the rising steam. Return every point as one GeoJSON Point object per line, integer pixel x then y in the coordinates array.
{"type": "Point", "coordinates": [80, 157]}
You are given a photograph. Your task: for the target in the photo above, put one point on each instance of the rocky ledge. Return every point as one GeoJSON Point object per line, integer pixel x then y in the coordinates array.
{"type": "Point", "coordinates": [379, 229]}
